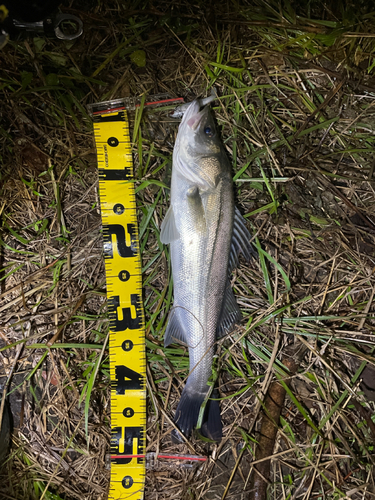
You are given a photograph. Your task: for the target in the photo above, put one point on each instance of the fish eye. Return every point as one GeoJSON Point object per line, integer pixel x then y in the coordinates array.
{"type": "Point", "coordinates": [208, 131]}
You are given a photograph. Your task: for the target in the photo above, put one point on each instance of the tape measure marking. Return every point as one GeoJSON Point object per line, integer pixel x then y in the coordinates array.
{"type": "Point", "coordinates": [125, 308]}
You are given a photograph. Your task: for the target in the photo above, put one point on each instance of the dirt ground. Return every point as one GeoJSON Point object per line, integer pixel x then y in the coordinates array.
{"type": "Point", "coordinates": [295, 110]}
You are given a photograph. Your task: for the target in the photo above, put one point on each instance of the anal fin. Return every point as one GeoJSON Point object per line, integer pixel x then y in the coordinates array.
{"type": "Point", "coordinates": [174, 331]}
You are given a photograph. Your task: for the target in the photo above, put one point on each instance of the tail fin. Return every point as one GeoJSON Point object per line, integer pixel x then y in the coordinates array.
{"type": "Point", "coordinates": [212, 426]}
{"type": "Point", "coordinates": [187, 415]}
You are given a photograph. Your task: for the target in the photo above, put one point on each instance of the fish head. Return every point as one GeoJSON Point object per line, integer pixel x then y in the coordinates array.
{"type": "Point", "coordinates": [197, 139]}
{"type": "Point", "coordinates": [199, 133]}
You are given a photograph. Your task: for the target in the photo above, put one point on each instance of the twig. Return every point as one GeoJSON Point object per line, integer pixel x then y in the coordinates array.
{"type": "Point", "coordinates": [271, 411]}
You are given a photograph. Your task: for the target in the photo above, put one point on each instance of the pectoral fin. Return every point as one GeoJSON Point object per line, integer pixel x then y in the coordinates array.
{"type": "Point", "coordinates": [168, 230]}
{"type": "Point", "coordinates": [196, 207]}
{"type": "Point", "coordinates": [230, 313]}
{"type": "Point", "coordinates": [240, 241]}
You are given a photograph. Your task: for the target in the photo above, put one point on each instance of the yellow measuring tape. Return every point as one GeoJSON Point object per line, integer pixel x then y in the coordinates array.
{"type": "Point", "coordinates": [124, 293]}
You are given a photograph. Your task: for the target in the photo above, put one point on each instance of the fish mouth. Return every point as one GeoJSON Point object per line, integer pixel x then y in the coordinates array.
{"type": "Point", "coordinates": [194, 116]}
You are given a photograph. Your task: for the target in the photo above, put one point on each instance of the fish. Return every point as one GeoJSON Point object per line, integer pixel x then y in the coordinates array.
{"type": "Point", "coordinates": [206, 234]}
{"type": "Point", "coordinates": [180, 110]}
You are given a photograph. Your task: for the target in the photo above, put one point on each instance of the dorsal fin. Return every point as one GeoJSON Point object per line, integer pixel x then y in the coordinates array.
{"type": "Point", "coordinates": [240, 241]}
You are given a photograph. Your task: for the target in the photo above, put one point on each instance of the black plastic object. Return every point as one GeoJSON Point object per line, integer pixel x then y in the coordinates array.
{"type": "Point", "coordinates": [30, 10]}
{"type": "Point", "coordinates": [38, 17]}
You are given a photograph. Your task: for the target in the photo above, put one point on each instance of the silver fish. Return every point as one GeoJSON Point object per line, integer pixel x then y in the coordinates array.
{"type": "Point", "coordinates": [206, 233]}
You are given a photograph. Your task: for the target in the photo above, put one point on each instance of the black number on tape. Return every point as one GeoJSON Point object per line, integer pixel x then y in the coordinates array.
{"type": "Point", "coordinates": [126, 380]}
{"type": "Point", "coordinates": [127, 345]}
{"type": "Point", "coordinates": [113, 142]}
{"type": "Point", "coordinates": [130, 434]}
{"type": "Point", "coordinates": [124, 275]}
{"type": "Point", "coordinates": [123, 249]}
{"type": "Point", "coordinates": [127, 482]}
{"type": "Point", "coordinates": [127, 322]}
{"type": "Point", "coordinates": [119, 209]}
{"type": "Point", "coordinates": [114, 175]}
{"type": "Point", "coordinates": [128, 412]}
